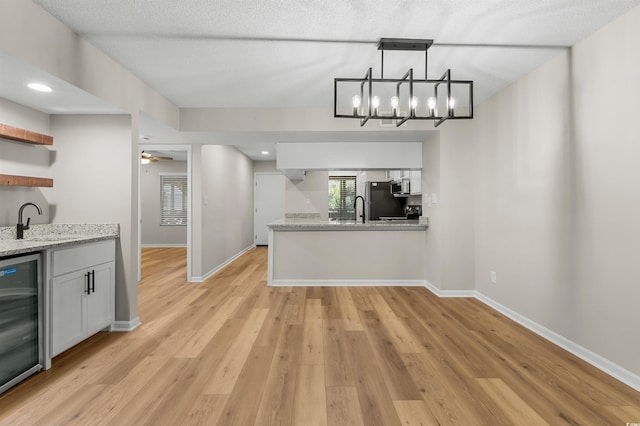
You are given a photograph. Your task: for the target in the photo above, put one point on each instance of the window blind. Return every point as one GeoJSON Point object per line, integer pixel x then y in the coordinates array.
{"type": "Point", "coordinates": [342, 195]}
{"type": "Point", "coordinates": [173, 200]}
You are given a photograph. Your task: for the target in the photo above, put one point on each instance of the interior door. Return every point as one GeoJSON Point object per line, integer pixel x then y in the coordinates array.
{"type": "Point", "coordinates": [268, 203]}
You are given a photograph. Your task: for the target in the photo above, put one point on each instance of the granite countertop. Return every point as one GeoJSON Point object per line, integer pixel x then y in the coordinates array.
{"type": "Point", "coordinates": [303, 223]}
{"type": "Point", "coordinates": [43, 237]}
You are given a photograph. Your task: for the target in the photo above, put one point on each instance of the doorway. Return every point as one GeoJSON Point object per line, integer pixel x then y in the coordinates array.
{"type": "Point", "coordinates": [268, 203]}
{"type": "Point", "coordinates": [164, 201]}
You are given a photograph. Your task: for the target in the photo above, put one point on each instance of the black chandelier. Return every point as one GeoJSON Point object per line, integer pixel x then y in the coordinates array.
{"type": "Point", "coordinates": [442, 99]}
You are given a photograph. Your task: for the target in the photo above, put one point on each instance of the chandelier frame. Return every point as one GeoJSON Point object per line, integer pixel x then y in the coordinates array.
{"type": "Point", "coordinates": [367, 82]}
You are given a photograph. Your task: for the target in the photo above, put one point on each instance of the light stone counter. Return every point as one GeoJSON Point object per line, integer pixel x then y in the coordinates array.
{"type": "Point", "coordinates": [378, 225]}
{"type": "Point", "coordinates": [43, 237]}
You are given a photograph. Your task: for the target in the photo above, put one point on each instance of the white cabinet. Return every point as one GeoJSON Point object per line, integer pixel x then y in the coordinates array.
{"type": "Point", "coordinates": [396, 174]}
{"type": "Point", "coordinates": [416, 182]}
{"type": "Point", "coordinates": [415, 177]}
{"type": "Point", "coordinates": [82, 282]}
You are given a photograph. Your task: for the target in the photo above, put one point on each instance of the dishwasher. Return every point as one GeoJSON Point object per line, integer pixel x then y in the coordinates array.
{"type": "Point", "coordinates": [21, 349]}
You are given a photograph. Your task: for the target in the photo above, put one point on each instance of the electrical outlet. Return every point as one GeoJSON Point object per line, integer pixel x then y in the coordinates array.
{"type": "Point", "coordinates": [494, 278]}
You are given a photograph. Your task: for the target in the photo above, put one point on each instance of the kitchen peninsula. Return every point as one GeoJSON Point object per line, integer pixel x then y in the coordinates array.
{"type": "Point", "coordinates": [306, 251]}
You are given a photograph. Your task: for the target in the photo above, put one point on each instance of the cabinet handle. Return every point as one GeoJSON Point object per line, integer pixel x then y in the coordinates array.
{"type": "Point", "coordinates": [93, 281]}
{"type": "Point", "coordinates": [88, 290]}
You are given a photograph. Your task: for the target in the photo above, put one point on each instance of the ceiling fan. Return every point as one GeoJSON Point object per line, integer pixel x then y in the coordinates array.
{"type": "Point", "coordinates": [146, 158]}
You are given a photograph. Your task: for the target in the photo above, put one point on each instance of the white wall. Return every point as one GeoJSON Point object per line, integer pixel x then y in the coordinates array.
{"type": "Point", "coordinates": [225, 202]}
{"type": "Point", "coordinates": [23, 160]}
{"type": "Point", "coordinates": [32, 35]}
{"type": "Point", "coordinates": [456, 200]}
{"type": "Point", "coordinates": [310, 195]}
{"type": "Point", "coordinates": [264, 166]}
{"type": "Point", "coordinates": [556, 193]}
{"type": "Point", "coordinates": [152, 233]}
{"type": "Point", "coordinates": [603, 309]}
{"type": "Point", "coordinates": [92, 173]}
{"type": "Point", "coordinates": [433, 235]}
{"type": "Point", "coordinates": [362, 155]}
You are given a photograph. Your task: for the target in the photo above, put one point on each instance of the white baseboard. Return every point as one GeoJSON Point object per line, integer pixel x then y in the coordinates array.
{"type": "Point", "coordinates": [449, 293]}
{"type": "Point", "coordinates": [222, 265]}
{"type": "Point", "coordinates": [347, 283]}
{"type": "Point", "coordinates": [601, 363]}
{"type": "Point", "coordinates": [163, 245]}
{"type": "Point", "coordinates": [123, 326]}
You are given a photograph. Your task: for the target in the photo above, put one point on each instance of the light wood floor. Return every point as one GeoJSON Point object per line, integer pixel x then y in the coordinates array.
{"type": "Point", "coordinates": [233, 351]}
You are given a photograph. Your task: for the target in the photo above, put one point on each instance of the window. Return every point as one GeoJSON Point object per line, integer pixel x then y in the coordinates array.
{"type": "Point", "coordinates": [342, 195]}
{"type": "Point", "coordinates": [173, 199]}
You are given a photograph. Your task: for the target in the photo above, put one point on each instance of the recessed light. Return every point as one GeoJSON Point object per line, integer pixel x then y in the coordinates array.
{"type": "Point", "coordinates": [265, 152]}
{"type": "Point", "coordinates": [39, 87]}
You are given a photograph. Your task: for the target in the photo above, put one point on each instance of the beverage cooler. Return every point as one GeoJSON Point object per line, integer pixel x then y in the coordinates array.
{"type": "Point", "coordinates": [21, 349]}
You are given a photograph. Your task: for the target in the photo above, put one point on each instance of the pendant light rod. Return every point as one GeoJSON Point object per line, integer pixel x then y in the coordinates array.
{"type": "Point", "coordinates": [406, 44]}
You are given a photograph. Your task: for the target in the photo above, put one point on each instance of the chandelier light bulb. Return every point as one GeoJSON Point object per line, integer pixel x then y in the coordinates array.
{"type": "Point", "coordinates": [431, 104]}
{"type": "Point", "coordinates": [451, 103]}
{"type": "Point", "coordinates": [355, 100]}
{"type": "Point", "coordinates": [375, 103]}
{"type": "Point", "coordinates": [395, 101]}
{"type": "Point", "coordinates": [413, 103]}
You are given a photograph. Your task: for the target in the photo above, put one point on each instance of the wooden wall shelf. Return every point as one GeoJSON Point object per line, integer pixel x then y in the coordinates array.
{"type": "Point", "coordinates": [26, 136]}
{"type": "Point", "coordinates": [12, 180]}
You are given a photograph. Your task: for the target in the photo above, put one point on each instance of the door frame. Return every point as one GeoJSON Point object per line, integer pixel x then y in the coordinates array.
{"type": "Point", "coordinates": [255, 185]}
{"type": "Point", "coordinates": [163, 147]}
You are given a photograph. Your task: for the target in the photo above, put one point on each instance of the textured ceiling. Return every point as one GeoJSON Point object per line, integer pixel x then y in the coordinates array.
{"type": "Point", "coordinates": [276, 53]}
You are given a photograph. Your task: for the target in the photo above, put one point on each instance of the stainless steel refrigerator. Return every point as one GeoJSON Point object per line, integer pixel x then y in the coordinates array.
{"type": "Point", "coordinates": [380, 202]}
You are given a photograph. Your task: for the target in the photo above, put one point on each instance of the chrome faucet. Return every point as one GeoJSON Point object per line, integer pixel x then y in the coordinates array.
{"type": "Point", "coordinates": [355, 203]}
{"type": "Point", "coordinates": [20, 228]}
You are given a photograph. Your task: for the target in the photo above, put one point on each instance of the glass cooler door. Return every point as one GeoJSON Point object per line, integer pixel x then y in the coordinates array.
{"type": "Point", "coordinates": [20, 336]}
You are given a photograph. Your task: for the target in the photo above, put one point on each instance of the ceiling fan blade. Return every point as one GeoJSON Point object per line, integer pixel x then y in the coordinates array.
{"type": "Point", "coordinates": [157, 157]}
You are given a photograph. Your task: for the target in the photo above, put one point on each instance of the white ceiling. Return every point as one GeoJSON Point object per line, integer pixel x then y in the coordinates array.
{"type": "Point", "coordinates": [276, 53]}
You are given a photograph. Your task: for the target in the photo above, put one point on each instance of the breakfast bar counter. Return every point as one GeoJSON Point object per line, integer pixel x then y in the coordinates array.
{"type": "Point", "coordinates": [308, 252]}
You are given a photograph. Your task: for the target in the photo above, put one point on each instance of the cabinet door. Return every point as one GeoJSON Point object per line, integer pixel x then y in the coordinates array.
{"type": "Point", "coordinates": [394, 174]}
{"type": "Point", "coordinates": [416, 182]}
{"type": "Point", "coordinates": [100, 303]}
{"type": "Point", "coordinates": [68, 316]}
